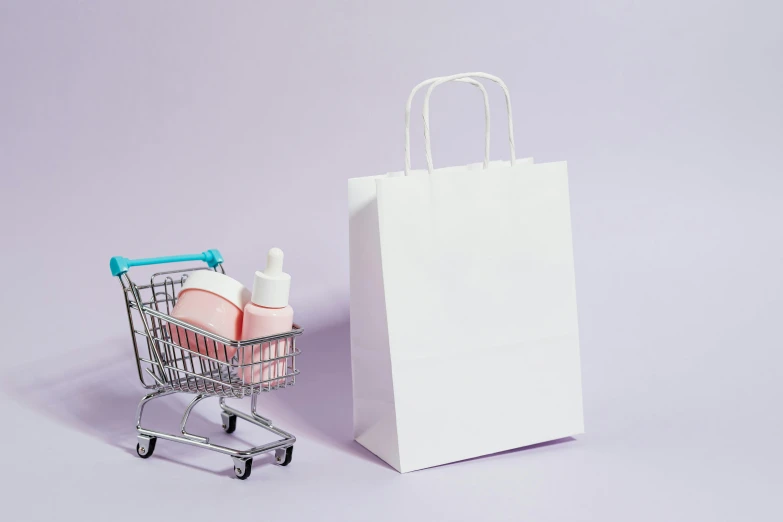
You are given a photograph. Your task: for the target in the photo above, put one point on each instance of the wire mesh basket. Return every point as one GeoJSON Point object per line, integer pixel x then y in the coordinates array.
{"type": "Point", "coordinates": [196, 361]}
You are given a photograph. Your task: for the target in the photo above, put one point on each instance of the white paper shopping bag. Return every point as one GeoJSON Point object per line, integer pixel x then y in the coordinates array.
{"type": "Point", "coordinates": [464, 336]}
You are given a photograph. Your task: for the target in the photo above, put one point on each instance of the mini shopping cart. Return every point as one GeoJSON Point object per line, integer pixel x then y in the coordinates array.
{"type": "Point", "coordinates": [169, 363]}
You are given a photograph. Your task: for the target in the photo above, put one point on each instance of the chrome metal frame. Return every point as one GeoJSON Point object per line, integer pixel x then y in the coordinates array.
{"type": "Point", "coordinates": [181, 358]}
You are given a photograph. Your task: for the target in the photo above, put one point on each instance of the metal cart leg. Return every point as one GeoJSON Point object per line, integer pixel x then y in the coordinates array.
{"type": "Point", "coordinates": [258, 420]}
{"type": "Point", "coordinates": [284, 448]}
{"type": "Point", "coordinates": [144, 400]}
{"type": "Point", "coordinates": [243, 459]}
{"type": "Point", "coordinates": [196, 400]}
{"type": "Point", "coordinates": [146, 442]}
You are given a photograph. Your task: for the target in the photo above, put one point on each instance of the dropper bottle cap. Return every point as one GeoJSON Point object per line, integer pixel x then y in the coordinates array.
{"type": "Point", "coordinates": [271, 287]}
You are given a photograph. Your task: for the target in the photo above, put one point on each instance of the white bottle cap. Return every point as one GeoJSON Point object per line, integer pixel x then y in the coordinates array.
{"type": "Point", "coordinates": [271, 287]}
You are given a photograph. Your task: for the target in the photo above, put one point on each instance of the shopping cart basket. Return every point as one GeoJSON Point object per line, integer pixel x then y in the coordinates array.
{"type": "Point", "coordinates": [168, 362]}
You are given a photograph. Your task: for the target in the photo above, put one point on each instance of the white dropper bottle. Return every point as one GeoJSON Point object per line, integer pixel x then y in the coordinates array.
{"type": "Point", "coordinates": [267, 313]}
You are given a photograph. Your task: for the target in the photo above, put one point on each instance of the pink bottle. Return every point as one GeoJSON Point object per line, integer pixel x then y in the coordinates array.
{"type": "Point", "coordinates": [213, 302]}
{"type": "Point", "coordinates": [268, 313]}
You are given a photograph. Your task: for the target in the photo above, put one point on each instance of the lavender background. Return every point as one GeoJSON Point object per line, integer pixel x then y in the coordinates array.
{"type": "Point", "coordinates": [149, 128]}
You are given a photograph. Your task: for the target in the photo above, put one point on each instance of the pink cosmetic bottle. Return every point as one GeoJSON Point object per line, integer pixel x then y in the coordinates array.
{"type": "Point", "coordinates": [267, 313]}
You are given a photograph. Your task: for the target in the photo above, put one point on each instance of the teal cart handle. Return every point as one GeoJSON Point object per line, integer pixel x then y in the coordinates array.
{"type": "Point", "coordinates": [119, 265]}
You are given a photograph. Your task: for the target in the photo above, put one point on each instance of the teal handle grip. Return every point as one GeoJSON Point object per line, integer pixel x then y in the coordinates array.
{"type": "Point", "coordinates": [119, 265]}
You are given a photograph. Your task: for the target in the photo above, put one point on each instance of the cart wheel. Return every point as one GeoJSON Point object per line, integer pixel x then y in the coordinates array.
{"type": "Point", "coordinates": [229, 422]}
{"type": "Point", "coordinates": [289, 455]}
{"type": "Point", "coordinates": [146, 451]}
{"type": "Point", "coordinates": [283, 457]}
{"type": "Point", "coordinates": [242, 468]}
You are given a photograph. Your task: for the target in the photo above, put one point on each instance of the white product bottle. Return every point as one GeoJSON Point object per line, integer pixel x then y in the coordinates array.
{"type": "Point", "coordinates": [268, 313]}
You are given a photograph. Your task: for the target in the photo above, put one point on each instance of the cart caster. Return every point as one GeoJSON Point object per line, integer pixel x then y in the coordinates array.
{"type": "Point", "coordinates": [283, 456]}
{"type": "Point", "coordinates": [229, 422]}
{"type": "Point", "coordinates": [146, 446]}
{"type": "Point", "coordinates": [242, 468]}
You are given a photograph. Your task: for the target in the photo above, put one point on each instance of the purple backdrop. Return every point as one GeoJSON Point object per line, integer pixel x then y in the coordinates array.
{"type": "Point", "coordinates": [150, 128]}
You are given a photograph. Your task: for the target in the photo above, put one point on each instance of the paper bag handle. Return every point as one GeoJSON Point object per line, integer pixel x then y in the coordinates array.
{"type": "Point", "coordinates": [444, 79]}
{"type": "Point", "coordinates": [416, 89]}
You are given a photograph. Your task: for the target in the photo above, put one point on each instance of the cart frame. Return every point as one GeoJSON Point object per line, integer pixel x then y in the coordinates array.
{"type": "Point", "coordinates": [214, 367]}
